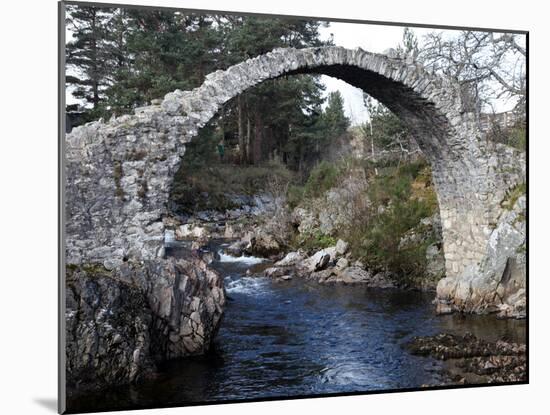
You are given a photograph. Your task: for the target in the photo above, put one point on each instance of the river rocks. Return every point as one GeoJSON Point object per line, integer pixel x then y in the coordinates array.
{"type": "Point", "coordinates": [341, 247]}
{"type": "Point", "coordinates": [292, 258]}
{"type": "Point", "coordinates": [264, 244]}
{"type": "Point", "coordinates": [121, 323]}
{"type": "Point", "coordinates": [328, 266]}
{"type": "Point", "coordinates": [275, 272]}
{"type": "Point", "coordinates": [191, 231]}
{"type": "Point", "coordinates": [318, 261]}
{"type": "Point", "coordinates": [237, 248]}
{"type": "Point", "coordinates": [342, 263]}
{"type": "Point", "coordinates": [250, 206]}
{"type": "Point", "coordinates": [353, 275]}
{"type": "Point", "coordinates": [489, 362]}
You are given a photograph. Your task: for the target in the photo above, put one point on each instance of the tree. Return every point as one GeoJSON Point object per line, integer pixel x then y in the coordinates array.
{"type": "Point", "coordinates": [488, 65]}
{"type": "Point", "coordinates": [86, 53]}
{"type": "Point", "coordinates": [144, 54]}
{"type": "Point", "coordinates": [165, 51]}
{"type": "Point", "coordinates": [271, 117]}
{"type": "Point", "coordinates": [334, 117]}
{"type": "Point", "coordinates": [409, 44]}
{"type": "Point", "coordinates": [385, 132]}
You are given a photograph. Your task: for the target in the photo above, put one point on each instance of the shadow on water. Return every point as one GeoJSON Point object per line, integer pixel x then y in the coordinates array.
{"type": "Point", "coordinates": [299, 338]}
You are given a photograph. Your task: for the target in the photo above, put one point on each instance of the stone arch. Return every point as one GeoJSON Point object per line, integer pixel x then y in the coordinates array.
{"type": "Point", "coordinates": [119, 173]}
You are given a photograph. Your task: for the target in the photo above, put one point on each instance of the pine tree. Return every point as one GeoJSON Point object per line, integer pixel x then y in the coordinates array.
{"type": "Point", "coordinates": [334, 117]}
{"type": "Point", "coordinates": [133, 56]}
{"type": "Point", "coordinates": [87, 57]}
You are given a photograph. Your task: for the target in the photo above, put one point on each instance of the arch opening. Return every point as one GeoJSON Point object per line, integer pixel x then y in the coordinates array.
{"type": "Point", "coordinates": [202, 192]}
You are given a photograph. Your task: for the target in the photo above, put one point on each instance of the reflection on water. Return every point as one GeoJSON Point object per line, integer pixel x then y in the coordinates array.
{"type": "Point", "coordinates": [297, 338]}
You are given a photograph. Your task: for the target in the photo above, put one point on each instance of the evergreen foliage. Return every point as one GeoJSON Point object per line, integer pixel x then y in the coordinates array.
{"type": "Point", "coordinates": [126, 57]}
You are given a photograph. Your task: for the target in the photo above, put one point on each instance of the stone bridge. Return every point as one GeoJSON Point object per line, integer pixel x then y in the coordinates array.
{"type": "Point", "coordinates": [119, 173]}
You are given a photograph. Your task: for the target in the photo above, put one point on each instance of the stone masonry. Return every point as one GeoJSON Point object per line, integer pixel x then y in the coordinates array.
{"type": "Point", "coordinates": [119, 173]}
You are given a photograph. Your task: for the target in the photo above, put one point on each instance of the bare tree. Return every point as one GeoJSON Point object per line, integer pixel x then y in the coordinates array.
{"type": "Point", "coordinates": [489, 66]}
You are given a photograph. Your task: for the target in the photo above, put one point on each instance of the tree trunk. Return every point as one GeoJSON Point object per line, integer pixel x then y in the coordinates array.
{"type": "Point", "coordinates": [240, 129]}
{"type": "Point", "coordinates": [258, 138]}
{"type": "Point", "coordinates": [372, 149]}
{"type": "Point", "coordinates": [247, 144]}
{"type": "Point", "coordinates": [95, 75]}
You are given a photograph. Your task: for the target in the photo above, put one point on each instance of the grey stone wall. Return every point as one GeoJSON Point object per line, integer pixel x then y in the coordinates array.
{"type": "Point", "coordinates": [119, 173]}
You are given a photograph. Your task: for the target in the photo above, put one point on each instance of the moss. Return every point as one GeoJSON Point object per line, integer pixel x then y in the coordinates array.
{"type": "Point", "coordinates": [95, 269]}
{"type": "Point", "coordinates": [520, 218]}
{"type": "Point", "coordinates": [91, 269]}
{"type": "Point", "coordinates": [512, 196]}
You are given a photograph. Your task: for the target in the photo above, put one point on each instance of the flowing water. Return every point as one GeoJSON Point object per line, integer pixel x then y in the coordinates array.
{"type": "Point", "coordinates": [296, 338]}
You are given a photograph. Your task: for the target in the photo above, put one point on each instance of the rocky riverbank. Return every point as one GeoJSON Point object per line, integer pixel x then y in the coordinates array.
{"type": "Point", "coordinates": [473, 360]}
{"type": "Point", "coordinates": [333, 265]}
{"type": "Point", "coordinates": [121, 323]}
{"type": "Point", "coordinates": [264, 227]}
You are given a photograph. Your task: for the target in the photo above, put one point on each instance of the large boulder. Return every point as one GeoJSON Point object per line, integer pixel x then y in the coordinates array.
{"type": "Point", "coordinates": [290, 259]}
{"type": "Point", "coordinates": [122, 323]}
{"type": "Point", "coordinates": [318, 261]}
{"type": "Point", "coordinates": [264, 244]}
{"type": "Point", "coordinates": [341, 247]}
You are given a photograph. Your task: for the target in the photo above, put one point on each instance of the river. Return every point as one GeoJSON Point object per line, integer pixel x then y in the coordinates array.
{"type": "Point", "coordinates": [296, 338]}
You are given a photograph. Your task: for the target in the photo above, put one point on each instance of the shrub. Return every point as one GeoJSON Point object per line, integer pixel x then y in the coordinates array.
{"type": "Point", "coordinates": [398, 201]}
{"type": "Point", "coordinates": [513, 195]}
{"type": "Point", "coordinates": [313, 241]}
{"type": "Point", "coordinates": [321, 178]}
{"type": "Point", "coordinates": [199, 187]}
